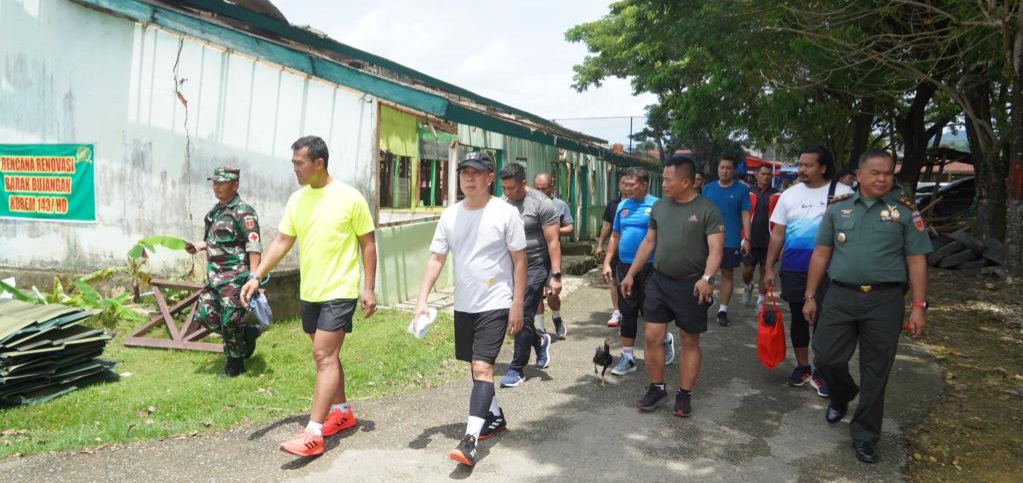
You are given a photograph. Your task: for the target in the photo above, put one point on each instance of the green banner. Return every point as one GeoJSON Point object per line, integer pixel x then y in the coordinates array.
{"type": "Point", "coordinates": [48, 182]}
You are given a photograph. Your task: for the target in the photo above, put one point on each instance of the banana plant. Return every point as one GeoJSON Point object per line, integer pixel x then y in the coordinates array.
{"type": "Point", "coordinates": [138, 258]}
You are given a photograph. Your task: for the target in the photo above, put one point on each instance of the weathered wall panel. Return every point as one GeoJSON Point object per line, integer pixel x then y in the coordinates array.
{"type": "Point", "coordinates": [163, 110]}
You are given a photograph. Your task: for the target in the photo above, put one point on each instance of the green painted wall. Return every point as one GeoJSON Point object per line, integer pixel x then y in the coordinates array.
{"type": "Point", "coordinates": [402, 252]}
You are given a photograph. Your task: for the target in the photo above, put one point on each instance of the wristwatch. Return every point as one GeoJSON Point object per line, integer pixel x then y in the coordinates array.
{"type": "Point", "coordinates": [556, 275]}
{"type": "Point", "coordinates": [708, 279]}
{"type": "Point", "coordinates": [253, 276]}
{"type": "Point", "coordinates": [921, 303]}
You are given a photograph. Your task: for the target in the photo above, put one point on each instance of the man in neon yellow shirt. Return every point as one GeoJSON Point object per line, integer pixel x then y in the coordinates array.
{"type": "Point", "coordinates": [332, 224]}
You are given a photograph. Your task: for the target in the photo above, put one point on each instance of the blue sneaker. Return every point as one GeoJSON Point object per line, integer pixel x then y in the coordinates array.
{"type": "Point", "coordinates": [625, 365]}
{"type": "Point", "coordinates": [543, 353]}
{"type": "Point", "coordinates": [512, 378]}
{"type": "Point", "coordinates": [669, 348]}
{"type": "Point", "coordinates": [817, 382]}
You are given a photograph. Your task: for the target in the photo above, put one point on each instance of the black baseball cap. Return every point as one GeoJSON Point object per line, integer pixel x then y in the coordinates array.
{"type": "Point", "coordinates": [478, 160]}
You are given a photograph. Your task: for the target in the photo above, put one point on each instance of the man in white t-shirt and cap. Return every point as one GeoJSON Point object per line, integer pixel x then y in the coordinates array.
{"type": "Point", "coordinates": [486, 238]}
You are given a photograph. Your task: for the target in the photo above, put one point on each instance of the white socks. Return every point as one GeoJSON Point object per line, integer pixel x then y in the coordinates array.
{"type": "Point", "coordinates": [474, 426]}
{"type": "Point", "coordinates": [343, 407]}
{"type": "Point", "coordinates": [629, 352]}
{"type": "Point", "coordinates": [538, 322]}
{"type": "Point", "coordinates": [314, 428]}
{"type": "Point", "coordinates": [555, 313]}
{"type": "Point", "coordinates": [494, 409]}
{"type": "Point", "coordinates": [723, 308]}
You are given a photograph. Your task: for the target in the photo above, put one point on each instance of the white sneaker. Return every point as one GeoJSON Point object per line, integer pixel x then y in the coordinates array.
{"type": "Point", "coordinates": [624, 366]}
{"type": "Point", "coordinates": [615, 320]}
{"type": "Point", "coordinates": [747, 294]}
{"type": "Point", "coordinates": [669, 348]}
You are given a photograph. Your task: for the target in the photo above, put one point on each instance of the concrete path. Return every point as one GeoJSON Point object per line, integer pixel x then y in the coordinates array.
{"type": "Point", "coordinates": [747, 425]}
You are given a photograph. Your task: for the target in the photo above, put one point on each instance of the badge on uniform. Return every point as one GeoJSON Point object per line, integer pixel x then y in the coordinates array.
{"type": "Point", "coordinates": [847, 213]}
{"type": "Point", "coordinates": [250, 222]}
{"type": "Point", "coordinates": [253, 237]}
{"type": "Point", "coordinates": [840, 237]}
{"type": "Point", "coordinates": [625, 213]}
{"type": "Point", "coordinates": [918, 222]}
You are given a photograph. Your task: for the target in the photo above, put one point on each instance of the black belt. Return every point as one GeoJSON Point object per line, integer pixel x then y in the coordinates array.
{"type": "Point", "coordinates": [868, 287]}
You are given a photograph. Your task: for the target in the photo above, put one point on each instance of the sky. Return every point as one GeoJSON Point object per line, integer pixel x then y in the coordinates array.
{"type": "Point", "coordinates": [513, 52]}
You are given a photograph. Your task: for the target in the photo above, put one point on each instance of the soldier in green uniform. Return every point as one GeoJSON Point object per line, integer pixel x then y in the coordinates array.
{"type": "Point", "coordinates": [232, 245]}
{"type": "Point", "coordinates": [876, 242]}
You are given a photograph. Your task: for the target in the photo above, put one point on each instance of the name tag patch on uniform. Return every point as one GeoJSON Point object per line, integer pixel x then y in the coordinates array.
{"type": "Point", "coordinates": [253, 237]}
{"type": "Point", "coordinates": [250, 222]}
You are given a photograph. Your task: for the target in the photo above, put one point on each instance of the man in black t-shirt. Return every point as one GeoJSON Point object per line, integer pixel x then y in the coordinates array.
{"type": "Point", "coordinates": [764, 197]}
{"type": "Point", "coordinates": [605, 234]}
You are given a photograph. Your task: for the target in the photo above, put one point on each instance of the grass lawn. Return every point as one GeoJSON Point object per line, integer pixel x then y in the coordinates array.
{"type": "Point", "coordinates": [178, 392]}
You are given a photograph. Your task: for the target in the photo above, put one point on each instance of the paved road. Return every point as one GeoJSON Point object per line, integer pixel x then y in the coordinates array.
{"type": "Point", "coordinates": [746, 426]}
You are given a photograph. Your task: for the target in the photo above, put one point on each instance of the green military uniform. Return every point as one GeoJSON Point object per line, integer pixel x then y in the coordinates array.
{"type": "Point", "coordinates": [232, 232]}
{"type": "Point", "coordinates": [865, 305]}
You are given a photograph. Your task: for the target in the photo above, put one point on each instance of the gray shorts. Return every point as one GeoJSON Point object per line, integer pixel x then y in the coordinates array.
{"type": "Point", "coordinates": [330, 316]}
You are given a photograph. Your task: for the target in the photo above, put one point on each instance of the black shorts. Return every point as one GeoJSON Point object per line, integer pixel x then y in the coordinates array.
{"type": "Point", "coordinates": [793, 288]}
{"type": "Point", "coordinates": [330, 316]}
{"type": "Point", "coordinates": [757, 256]}
{"type": "Point", "coordinates": [732, 258]}
{"type": "Point", "coordinates": [537, 273]}
{"type": "Point", "coordinates": [478, 336]}
{"type": "Point", "coordinates": [670, 299]}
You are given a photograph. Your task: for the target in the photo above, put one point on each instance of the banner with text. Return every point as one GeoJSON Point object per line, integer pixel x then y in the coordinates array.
{"type": "Point", "coordinates": [48, 182]}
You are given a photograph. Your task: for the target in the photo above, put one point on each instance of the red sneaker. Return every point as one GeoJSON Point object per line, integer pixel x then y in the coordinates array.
{"type": "Point", "coordinates": [338, 421]}
{"type": "Point", "coordinates": [303, 444]}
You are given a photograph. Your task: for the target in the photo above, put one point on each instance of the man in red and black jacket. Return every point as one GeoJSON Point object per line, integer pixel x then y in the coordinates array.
{"type": "Point", "coordinates": [763, 197]}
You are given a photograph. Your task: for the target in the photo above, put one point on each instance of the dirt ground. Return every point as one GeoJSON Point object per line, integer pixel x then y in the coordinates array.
{"type": "Point", "coordinates": [975, 432]}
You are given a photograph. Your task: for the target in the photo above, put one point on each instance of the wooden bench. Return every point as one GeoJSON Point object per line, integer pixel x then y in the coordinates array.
{"type": "Point", "coordinates": [185, 337]}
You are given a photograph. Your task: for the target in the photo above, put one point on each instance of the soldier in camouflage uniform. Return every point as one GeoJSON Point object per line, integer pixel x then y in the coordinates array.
{"type": "Point", "coordinates": [232, 245]}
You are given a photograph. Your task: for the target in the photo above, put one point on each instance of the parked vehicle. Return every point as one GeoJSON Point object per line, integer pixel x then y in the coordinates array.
{"type": "Point", "coordinates": [955, 198]}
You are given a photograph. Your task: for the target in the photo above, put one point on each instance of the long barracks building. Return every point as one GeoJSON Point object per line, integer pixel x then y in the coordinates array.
{"type": "Point", "coordinates": [167, 90]}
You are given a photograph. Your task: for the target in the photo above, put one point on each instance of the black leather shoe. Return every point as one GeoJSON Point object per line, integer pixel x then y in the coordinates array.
{"type": "Point", "coordinates": [233, 368]}
{"type": "Point", "coordinates": [251, 334]}
{"type": "Point", "coordinates": [865, 452]}
{"type": "Point", "coordinates": [835, 413]}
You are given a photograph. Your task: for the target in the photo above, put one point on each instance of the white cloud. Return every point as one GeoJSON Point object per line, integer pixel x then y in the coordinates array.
{"type": "Point", "coordinates": [512, 52]}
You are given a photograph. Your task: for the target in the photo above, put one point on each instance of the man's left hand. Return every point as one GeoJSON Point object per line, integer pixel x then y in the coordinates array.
{"type": "Point", "coordinates": [368, 302]}
{"type": "Point", "coordinates": [704, 290]}
{"type": "Point", "coordinates": [744, 246]}
{"type": "Point", "coordinates": [555, 285]}
{"type": "Point", "coordinates": [917, 321]}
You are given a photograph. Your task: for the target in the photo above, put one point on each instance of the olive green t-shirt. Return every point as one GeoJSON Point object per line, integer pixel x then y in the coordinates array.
{"type": "Point", "coordinates": [682, 230]}
{"type": "Point", "coordinates": [872, 238]}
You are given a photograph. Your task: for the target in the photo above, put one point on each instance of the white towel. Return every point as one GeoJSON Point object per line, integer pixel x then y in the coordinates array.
{"type": "Point", "coordinates": [418, 328]}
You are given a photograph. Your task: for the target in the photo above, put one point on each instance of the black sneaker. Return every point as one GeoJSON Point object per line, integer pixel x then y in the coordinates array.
{"type": "Point", "coordinates": [799, 376]}
{"type": "Point", "coordinates": [654, 396]}
{"type": "Point", "coordinates": [251, 334]}
{"type": "Point", "coordinates": [723, 319]}
{"type": "Point", "coordinates": [492, 425]}
{"type": "Point", "coordinates": [683, 404]}
{"type": "Point", "coordinates": [233, 367]}
{"type": "Point", "coordinates": [559, 327]}
{"type": "Point", "coordinates": [465, 452]}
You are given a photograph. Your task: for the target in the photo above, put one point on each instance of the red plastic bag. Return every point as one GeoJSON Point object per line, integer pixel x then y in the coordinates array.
{"type": "Point", "coordinates": [770, 334]}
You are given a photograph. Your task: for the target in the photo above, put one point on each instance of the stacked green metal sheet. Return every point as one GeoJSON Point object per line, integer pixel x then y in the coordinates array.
{"type": "Point", "coordinates": [45, 352]}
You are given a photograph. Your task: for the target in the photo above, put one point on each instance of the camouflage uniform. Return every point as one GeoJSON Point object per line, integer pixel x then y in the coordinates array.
{"type": "Point", "coordinates": [232, 232]}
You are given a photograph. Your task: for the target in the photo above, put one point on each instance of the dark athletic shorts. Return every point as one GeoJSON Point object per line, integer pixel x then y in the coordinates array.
{"type": "Point", "coordinates": [757, 256]}
{"type": "Point", "coordinates": [537, 273]}
{"type": "Point", "coordinates": [478, 336]}
{"type": "Point", "coordinates": [330, 316]}
{"type": "Point", "coordinates": [732, 258]}
{"type": "Point", "coordinates": [670, 299]}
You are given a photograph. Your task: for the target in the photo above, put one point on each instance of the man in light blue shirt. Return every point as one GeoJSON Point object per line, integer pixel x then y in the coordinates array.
{"type": "Point", "coordinates": [631, 221]}
{"type": "Point", "coordinates": [732, 198]}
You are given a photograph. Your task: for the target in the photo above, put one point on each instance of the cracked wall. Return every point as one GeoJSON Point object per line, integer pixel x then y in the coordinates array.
{"type": "Point", "coordinates": [163, 111]}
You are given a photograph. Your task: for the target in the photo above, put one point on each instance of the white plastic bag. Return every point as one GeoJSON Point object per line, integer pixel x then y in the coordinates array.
{"type": "Point", "coordinates": [418, 328]}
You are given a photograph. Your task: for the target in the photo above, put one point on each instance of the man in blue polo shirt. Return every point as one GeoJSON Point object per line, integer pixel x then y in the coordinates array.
{"type": "Point", "coordinates": [732, 198]}
{"type": "Point", "coordinates": [631, 221]}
